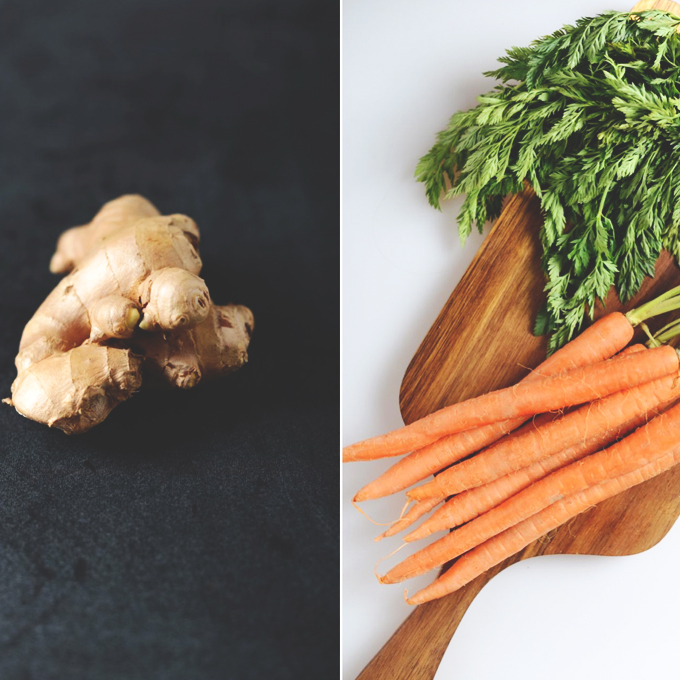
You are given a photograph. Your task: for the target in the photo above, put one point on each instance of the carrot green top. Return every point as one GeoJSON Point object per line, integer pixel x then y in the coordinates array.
{"type": "Point", "coordinates": [587, 116]}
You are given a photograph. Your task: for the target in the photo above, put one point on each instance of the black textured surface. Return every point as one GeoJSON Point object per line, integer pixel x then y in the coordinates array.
{"type": "Point", "coordinates": [192, 535]}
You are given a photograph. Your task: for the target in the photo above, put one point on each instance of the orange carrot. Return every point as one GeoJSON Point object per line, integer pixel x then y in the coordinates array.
{"type": "Point", "coordinates": [568, 388]}
{"type": "Point", "coordinates": [416, 511]}
{"type": "Point", "coordinates": [598, 342]}
{"type": "Point", "coordinates": [442, 453]}
{"type": "Point", "coordinates": [514, 539]}
{"type": "Point", "coordinates": [591, 421]}
{"type": "Point", "coordinates": [433, 457]}
{"type": "Point", "coordinates": [448, 450]}
{"type": "Point", "coordinates": [649, 442]}
{"type": "Point", "coordinates": [470, 504]}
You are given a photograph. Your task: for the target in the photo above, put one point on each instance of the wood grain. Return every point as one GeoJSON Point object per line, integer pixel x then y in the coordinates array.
{"type": "Point", "coordinates": [481, 341]}
{"type": "Point", "coordinates": [665, 5]}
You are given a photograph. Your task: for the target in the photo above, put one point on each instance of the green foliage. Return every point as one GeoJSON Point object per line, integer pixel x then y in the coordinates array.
{"type": "Point", "coordinates": [589, 117]}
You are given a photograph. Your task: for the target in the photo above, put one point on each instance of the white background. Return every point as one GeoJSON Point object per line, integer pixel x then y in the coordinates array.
{"type": "Point", "coordinates": [407, 66]}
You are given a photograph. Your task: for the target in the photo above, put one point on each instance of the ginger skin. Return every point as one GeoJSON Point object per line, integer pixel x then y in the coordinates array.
{"type": "Point", "coordinates": [132, 305]}
{"type": "Point", "coordinates": [75, 243]}
{"type": "Point", "coordinates": [77, 390]}
{"type": "Point", "coordinates": [213, 349]}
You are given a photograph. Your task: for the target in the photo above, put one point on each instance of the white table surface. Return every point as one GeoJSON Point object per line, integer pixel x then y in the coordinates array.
{"type": "Point", "coordinates": [407, 66]}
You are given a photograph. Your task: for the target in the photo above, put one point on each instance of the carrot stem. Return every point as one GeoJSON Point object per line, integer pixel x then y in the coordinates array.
{"type": "Point", "coordinates": [665, 334]}
{"type": "Point", "coordinates": [666, 302]}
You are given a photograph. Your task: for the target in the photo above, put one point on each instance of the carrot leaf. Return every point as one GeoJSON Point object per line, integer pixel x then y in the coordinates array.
{"type": "Point", "coordinates": [589, 117]}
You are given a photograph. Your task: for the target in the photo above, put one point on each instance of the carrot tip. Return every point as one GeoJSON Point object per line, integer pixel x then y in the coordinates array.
{"type": "Point", "coordinates": [361, 495]}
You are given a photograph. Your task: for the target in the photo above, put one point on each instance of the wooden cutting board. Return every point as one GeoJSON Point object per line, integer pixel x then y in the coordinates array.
{"type": "Point", "coordinates": [482, 341]}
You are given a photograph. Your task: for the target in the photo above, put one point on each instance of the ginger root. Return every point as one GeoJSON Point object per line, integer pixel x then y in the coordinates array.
{"type": "Point", "coordinates": [77, 390]}
{"type": "Point", "coordinates": [132, 307]}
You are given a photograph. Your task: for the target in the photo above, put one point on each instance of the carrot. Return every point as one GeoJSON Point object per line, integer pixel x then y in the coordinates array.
{"type": "Point", "coordinates": [657, 438]}
{"type": "Point", "coordinates": [514, 539]}
{"type": "Point", "coordinates": [470, 504]}
{"type": "Point", "coordinates": [448, 450]}
{"type": "Point", "coordinates": [433, 457]}
{"type": "Point", "coordinates": [589, 422]}
{"type": "Point", "coordinates": [598, 342]}
{"type": "Point", "coordinates": [416, 511]}
{"type": "Point", "coordinates": [575, 386]}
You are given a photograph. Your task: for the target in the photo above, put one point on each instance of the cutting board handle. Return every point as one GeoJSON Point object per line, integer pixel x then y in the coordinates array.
{"type": "Point", "coordinates": [416, 649]}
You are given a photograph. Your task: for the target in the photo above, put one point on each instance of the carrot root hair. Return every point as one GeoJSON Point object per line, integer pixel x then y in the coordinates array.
{"type": "Point", "coordinates": [369, 518]}
{"type": "Point", "coordinates": [382, 559]}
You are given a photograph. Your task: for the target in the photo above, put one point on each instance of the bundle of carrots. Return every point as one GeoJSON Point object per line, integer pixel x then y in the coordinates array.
{"type": "Point", "coordinates": [596, 418]}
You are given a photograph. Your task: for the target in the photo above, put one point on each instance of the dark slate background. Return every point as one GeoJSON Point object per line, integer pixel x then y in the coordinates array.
{"type": "Point", "coordinates": [192, 535]}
